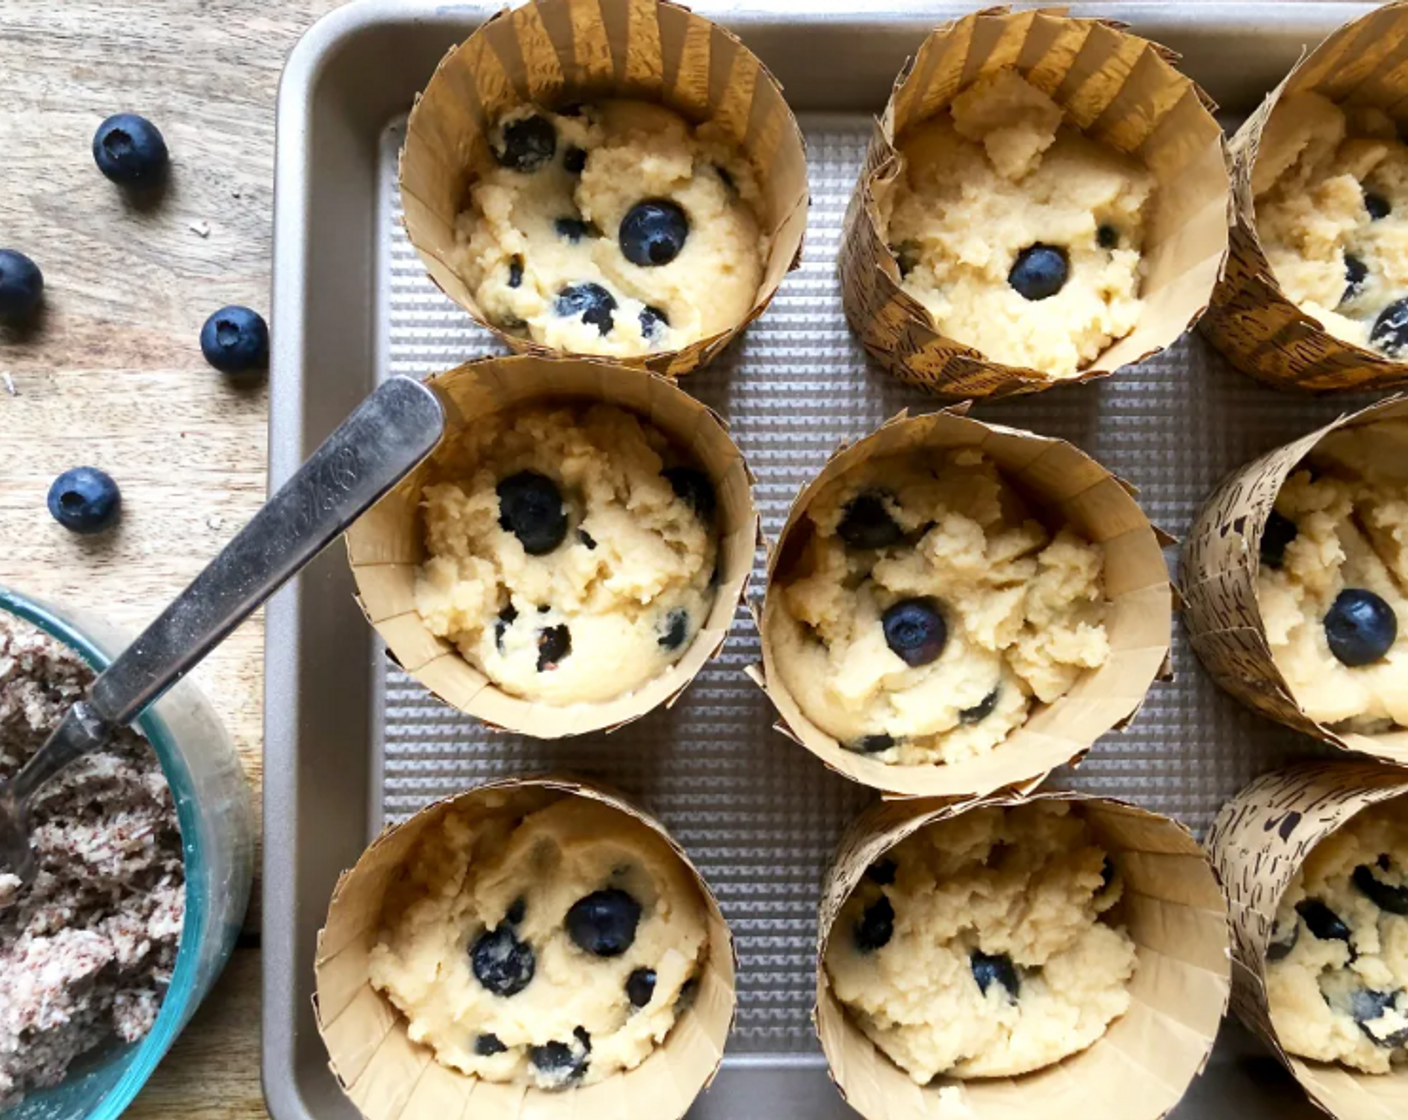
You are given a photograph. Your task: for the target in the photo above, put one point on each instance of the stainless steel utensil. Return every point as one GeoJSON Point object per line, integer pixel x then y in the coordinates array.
{"type": "Point", "coordinates": [390, 432]}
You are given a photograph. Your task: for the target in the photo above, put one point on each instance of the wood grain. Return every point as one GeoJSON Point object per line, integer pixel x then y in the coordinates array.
{"type": "Point", "coordinates": [112, 374]}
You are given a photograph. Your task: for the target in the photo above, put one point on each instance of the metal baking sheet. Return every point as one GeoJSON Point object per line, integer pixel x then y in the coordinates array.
{"type": "Point", "coordinates": [351, 742]}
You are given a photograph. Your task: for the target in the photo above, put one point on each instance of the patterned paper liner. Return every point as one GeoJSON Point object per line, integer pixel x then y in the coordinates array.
{"type": "Point", "coordinates": [1258, 842]}
{"type": "Point", "coordinates": [1218, 580]}
{"type": "Point", "coordinates": [1064, 481]}
{"type": "Point", "coordinates": [1251, 321]}
{"type": "Point", "coordinates": [1120, 90]}
{"type": "Point", "coordinates": [389, 1077]}
{"type": "Point", "coordinates": [557, 51]}
{"type": "Point", "coordinates": [1143, 1064]}
{"type": "Point", "coordinates": [386, 546]}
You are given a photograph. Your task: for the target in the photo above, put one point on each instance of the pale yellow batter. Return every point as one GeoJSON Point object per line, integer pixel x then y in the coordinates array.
{"type": "Point", "coordinates": [1023, 611]}
{"type": "Point", "coordinates": [518, 256]}
{"type": "Point", "coordinates": [518, 881]}
{"type": "Point", "coordinates": [1331, 195]}
{"type": "Point", "coordinates": [1337, 970]}
{"type": "Point", "coordinates": [976, 948]}
{"type": "Point", "coordinates": [619, 597]}
{"type": "Point", "coordinates": [995, 175]}
{"type": "Point", "coordinates": [1349, 532]}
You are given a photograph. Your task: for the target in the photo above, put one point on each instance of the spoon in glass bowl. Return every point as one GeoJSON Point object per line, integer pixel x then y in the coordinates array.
{"type": "Point", "coordinates": [387, 436]}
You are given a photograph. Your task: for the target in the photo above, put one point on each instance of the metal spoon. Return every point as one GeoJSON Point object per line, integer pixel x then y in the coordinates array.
{"type": "Point", "coordinates": [374, 448]}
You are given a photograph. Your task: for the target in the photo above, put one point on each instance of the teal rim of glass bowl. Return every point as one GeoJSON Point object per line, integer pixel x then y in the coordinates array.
{"type": "Point", "coordinates": [145, 1054]}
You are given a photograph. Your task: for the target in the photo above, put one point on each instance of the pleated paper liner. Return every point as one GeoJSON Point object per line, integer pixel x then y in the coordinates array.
{"type": "Point", "coordinates": [386, 546]}
{"type": "Point", "coordinates": [1141, 1066]}
{"type": "Point", "coordinates": [1251, 321]}
{"type": "Point", "coordinates": [1218, 581]}
{"type": "Point", "coordinates": [1120, 90]}
{"type": "Point", "coordinates": [555, 52]}
{"type": "Point", "coordinates": [389, 1077]}
{"type": "Point", "coordinates": [1258, 842]}
{"type": "Point", "coordinates": [1057, 479]}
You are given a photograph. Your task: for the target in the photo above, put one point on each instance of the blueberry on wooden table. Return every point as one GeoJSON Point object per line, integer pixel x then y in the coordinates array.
{"type": "Point", "coordinates": [502, 963]}
{"type": "Point", "coordinates": [21, 286]}
{"type": "Point", "coordinates": [1360, 627]}
{"type": "Point", "coordinates": [640, 986]}
{"type": "Point", "coordinates": [587, 301]}
{"type": "Point", "coordinates": [876, 926]}
{"type": "Point", "coordinates": [525, 145]}
{"type": "Point", "coordinates": [1039, 272]}
{"type": "Point", "coordinates": [915, 631]}
{"type": "Point", "coordinates": [1390, 333]}
{"type": "Point", "coordinates": [85, 500]}
{"type": "Point", "coordinates": [694, 488]}
{"type": "Point", "coordinates": [653, 232]}
{"type": "Point", "coordinates": [130, 150]}
{"type": "Point", "coordinates": [994, 967]}
{"type": "Point", "coordinates": [604, 922]}
{"type": "Point", "coordinates": [1279, 532]}
{"type": "Point", "coordinates": [866, 523]}
{"type": "Point", "coordinates": [532, 509]}
{"type": "Point", "coordinates": [235, 340]}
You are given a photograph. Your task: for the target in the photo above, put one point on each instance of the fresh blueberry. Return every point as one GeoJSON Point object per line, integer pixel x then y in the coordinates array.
{"type": "Point", "coordinates": [1367, 1005]}
{"type": "Point", "coordinates": [554, 643]}
{"type": "Point", "coordinates": [1390, 333]}
{"type": "Point", "coordinates": [1387, 897]}
{"type": "Point", "coordinates": [1360, 627]}
{"type": "Point", "coordinates": [516, 913]}
{"type": "Point", "coordinates": [604, 922]}
{"type": "Point", "coordinates": [1322, 922]}
{"type": "Point", "coordinates": [1279, 532]}
{"type": "Point", "coordinates": [876, 926]}
{"type": "Point", "coordinates": [989, 967]}
{"type": "Point", "coordinates": [1107, 236]}
{"type": "Point", "coordinates": [694, 489]}
{"type": "Point", "coordinates": [21, 286]}
{"type": "Point", "coordinates": [1107, 873]}
{"type": "Point", "coordinates": [1040, 272]}
{"type": "Point", "coordinates": [1377, 205]}
{"type": "Point", "coordinates": [235, 340]}
{"type": "Point", "coordinates": [653, 232]}
{"type": "Point", "coordinates": [866, 523]}
{"type": "Point", "coordinates": [591, 302]}
{"type": "Point", "coordinates": [1282, 942]}
{"type": "Point", "coordinates": [573, 230]}
{"type": "Point", "coordinates": [487, 1045]}
{"type": "Point", "coordinates": [559, 1062]}
{"type": "Point", "coordinates": [640, 986]}
{"type": "Point", "coordinates": [129, 150]}
{"type": "Point", "coordinates": [587, 539]}
{"type": "Point", "coordinates": [574, 160]}
{"type": "Point", "coordinates": [915, 631]}
{"type": "Point", "coordinates": [515, 271]}
{"type": "Point", "coordinates": [502, 623]}
{"type": "Point", "coordinates": [85, 500]}
{"type": "Point", "coordinates": [502, 963]}
{"type": "Point", "coordinates": [981, 710]}
{"type": "Point", "coordinates": [651, 320]}
{"type": "Point", "coordinates": [873, 744]}
{"type": "Point", "coordinates": [526, 144]}
{"type": "Point", "coordinates": [906, 255]}
{"type": "Point", "coordinates": [725, 178]}
{"type": "Point", "coordinates": [532, 509]}
{"type": "Point", "coordinates": [676, 629]}
{"type": "Point", "coordinates": [882, 871]}
{"type": "Point", "coordinates": [1355, 272]}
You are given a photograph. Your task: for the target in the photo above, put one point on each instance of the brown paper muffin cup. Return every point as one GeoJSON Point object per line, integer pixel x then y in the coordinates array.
{"type": "Point", "coordinates": [386, 546]}
{"type": "Point", "coordinates": [1218, 581]}
{"type": "Point", "coordinates": [389, 1077]}
{"type": "Point", "coordinates": [1145, 1061]}
{"type": "Point", "coordinates": [554, 52]}
{"type": "Point", "coordinates": [1258, 842]}
{"type": "Point", "coordinates": [1251, 321]}
{"type": "Point", "coordinates": [1120, 90]}
{"type": "Point", "coordinates": [1057, 478]}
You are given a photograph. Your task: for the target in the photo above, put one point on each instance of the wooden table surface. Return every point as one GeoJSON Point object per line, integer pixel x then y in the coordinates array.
{"type": "Point", "coordinates": [112, 375]}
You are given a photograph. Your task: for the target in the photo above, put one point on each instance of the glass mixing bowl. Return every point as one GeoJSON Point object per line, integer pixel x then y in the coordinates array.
{"type": "Point", "coordinates": [215, 813]}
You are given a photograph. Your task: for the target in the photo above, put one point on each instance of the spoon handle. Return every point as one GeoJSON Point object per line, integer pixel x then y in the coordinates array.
{"type": "Point", "coordinates": [390, 432]}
